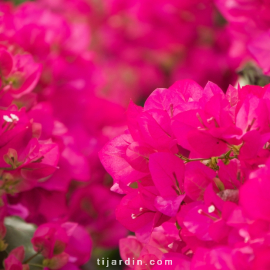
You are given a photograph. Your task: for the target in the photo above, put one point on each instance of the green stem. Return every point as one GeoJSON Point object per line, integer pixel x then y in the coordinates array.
{"type": "Point", "coordinates": [224, 156]}
{"type": "Point", "coordinates": [31, 258]}
{"type": "Point", "coordinates": [37, 265]}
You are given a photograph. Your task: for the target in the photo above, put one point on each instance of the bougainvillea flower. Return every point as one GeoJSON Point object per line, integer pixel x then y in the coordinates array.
{"type": "Point", "coordinates": [207, 177]}
{"type": "Point", "coordinates": [14, 261]}
{"type": "Point", "coordinates": [51, 238]}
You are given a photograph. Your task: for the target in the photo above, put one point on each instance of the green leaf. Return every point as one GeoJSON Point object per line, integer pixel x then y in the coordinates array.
{"type": "Point", "coordinates": [20, 233]}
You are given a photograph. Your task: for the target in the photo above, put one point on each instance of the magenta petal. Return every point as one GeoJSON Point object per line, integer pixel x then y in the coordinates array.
{"type": "Point", "coordinates": [37, 171]}
{"type": "Point", "coordinates": [206, 145]}
{"type": "Point", "coordinates": [113, 158]}
{"type": "Point", "coordinates": [148, 195]}
{"type": "Point", "coordinates": [133, 113]}
{"type": "Point", "coordinates": [219, 230]}
{"type": "Point", "coordinates": [251, 145]}
{"type": "Point", "coordinates": [260, 50]}
{"type": "Point", "coordinates": [185, 122]}
{"type": "Point", "coordinates": [28, 84]}
{"type": "Point", "coordinates": [210, 90]}
{"type": "Point", "coordinates": [18, 210]}
{"type": "Point", "coordinates": [262, 260]}
{"type": "Point", "coordinates": [138, 156]}
{"type": "Point", "coordinates": [197, 223]}
{"type": "Point", "coordinates": [143, 234]}
{"type": "Point", "coordinates": [254, 198]}
{"type": "Point", "coordinates": [79, 245]}
{"type": "Point", "coordinates": [11, 263]}
{"type": "Point", "coordinates": [205, 259]}
{"type": "Point", "coordinates": [130, 247]}
{"type": "Point", "coordinates": [6, 61]}
{"type": "Point", "coordinates": [18, 253]}
{"type": "Point", "coordinates": [169, 206]}
{"type": "Point", "coordinates": [211, 198]}
{"type": "Point", "coordinates": [248, 114]}
{"type": "Point", "coordinates": [132, 214]}
{"type": "Point", "coordinates": [253, 142]}
{"type": "Point", "coordinates": [167, 171]}
{"type": "Point", "coordinates": [228, 173]}
{"type": "Point", "coordinates": [232, 95]}
{"type": "Point", "coordinates": [189, 89]}
{"type": "Point", "coordinates": [237, 218]}
{"type": "Point", "coordinates": [50, 153]}
{"type": "Point", "coordinates": [197, 179]}
{"type": "Point", "coordinates": [185, 208]}
{"type": "Point", "coordinates": [120, 188]}
{"type": "Point", "coordinates": [153, 132]}
{"type": "Point", "coordinates": [157, 100]}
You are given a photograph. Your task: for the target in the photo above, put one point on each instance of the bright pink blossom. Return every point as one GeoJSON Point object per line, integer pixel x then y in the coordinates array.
{"type": "Point", "coordinates": [197, 159]}
{"type": "Point", "coordinates": [14, 261]}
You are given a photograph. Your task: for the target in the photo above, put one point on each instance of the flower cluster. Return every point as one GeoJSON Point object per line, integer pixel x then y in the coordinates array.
{"type": "Point", "coordinates": [194, 165]}
{"type": "Point", "coordinates": [52, 126]}
{"type": "Point", "coordinates": [62, 245]}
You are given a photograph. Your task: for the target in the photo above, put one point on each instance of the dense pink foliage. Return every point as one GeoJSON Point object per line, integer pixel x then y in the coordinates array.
{"type": "Point", "coordinates": [52, 126]}
{"type": "Point", "coordinates": [200, 161]}
{"type": "Point", "coordinates": [81, 164]}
